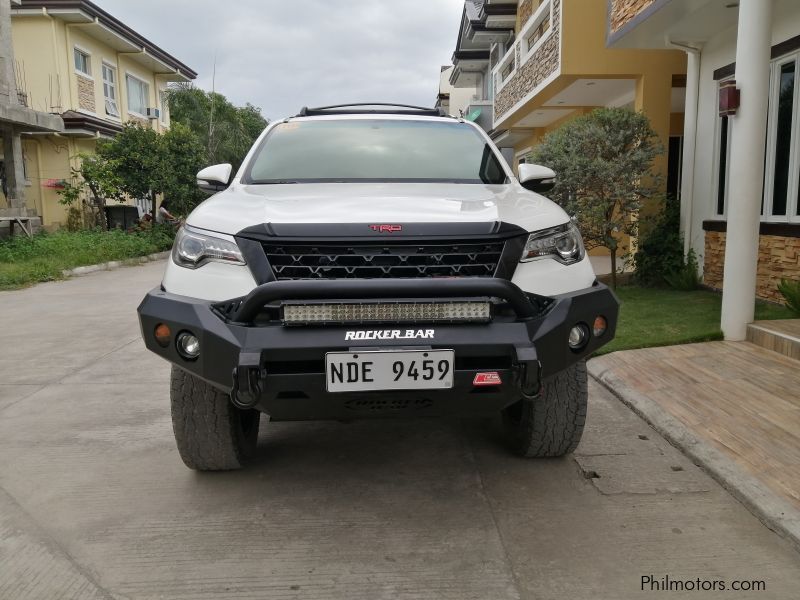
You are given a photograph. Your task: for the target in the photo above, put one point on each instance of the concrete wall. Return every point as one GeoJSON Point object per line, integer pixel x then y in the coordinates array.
{"type": "Point", "coordinates": [460, 98]}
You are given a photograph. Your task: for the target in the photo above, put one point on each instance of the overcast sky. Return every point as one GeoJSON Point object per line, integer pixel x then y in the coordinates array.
{"type": "Point", "coordinates": [283, 54]}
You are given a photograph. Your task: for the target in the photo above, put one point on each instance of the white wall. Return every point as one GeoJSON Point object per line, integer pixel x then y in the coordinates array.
{"type": "Point", "coordinates": [460, 98]}
{"type": "Point", "coordinates": [718, 52]}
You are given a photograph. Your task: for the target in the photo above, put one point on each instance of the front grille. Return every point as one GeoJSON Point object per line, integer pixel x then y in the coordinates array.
{"type": "Point", "coordinates": [397, 261]}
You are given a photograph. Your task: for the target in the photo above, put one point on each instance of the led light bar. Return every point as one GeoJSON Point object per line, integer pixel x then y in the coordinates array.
{"type": "Point", "coordinates": [388, 312]}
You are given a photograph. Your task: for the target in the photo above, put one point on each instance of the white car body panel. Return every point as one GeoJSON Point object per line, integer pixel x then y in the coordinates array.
{"type": "Point", "coordinates": [214, 281]}
{"type": "Point", "coordinates": [242, 206]}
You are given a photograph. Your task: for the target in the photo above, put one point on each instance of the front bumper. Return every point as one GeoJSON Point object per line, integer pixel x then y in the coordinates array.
{"type": "Point", "coordinates": [280, 370]}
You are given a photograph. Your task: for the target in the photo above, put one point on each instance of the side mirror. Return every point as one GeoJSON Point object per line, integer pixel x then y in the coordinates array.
{"type": "Point", "coordinates": [214, 178]}
{"type": "Point", "coordinates": [537, 178]}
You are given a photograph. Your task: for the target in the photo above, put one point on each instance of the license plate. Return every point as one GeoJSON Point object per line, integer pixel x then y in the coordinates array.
{"type": "Point", "coordinates": [389, 370]}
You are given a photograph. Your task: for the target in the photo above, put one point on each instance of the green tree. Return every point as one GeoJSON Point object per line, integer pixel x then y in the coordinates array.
{"type": "Point", "coordinates": [141, 163]}
{"type": "Point", "coordinates": [604, 162]}
{"type": "Point", "coordinates": [138, 161]}
{"type": "Point", "coordinates": [93, 177]}
{"type": "Point", "coordinates": [184, 157]}
{"type": "Point", "coordinates": [225, 131]}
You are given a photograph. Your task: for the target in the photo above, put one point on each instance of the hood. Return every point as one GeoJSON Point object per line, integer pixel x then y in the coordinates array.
{"type": "Point", "coordinates": [242, 206]}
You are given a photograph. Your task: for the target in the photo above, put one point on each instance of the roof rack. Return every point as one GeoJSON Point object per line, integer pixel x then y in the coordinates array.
{"type": "Point", "coordinates": [360, 109]}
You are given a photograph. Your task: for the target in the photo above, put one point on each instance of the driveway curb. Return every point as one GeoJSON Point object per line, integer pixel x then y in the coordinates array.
{"type": "Point", "coordinates": [115, 264]}
{"type": "Point", "coordinates": [777, 514]}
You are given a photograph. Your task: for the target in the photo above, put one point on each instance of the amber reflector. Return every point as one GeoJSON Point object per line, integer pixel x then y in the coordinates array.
{"type": "Point", "coordinates": [600, 326]}
{"type": "Point", "coordinates": [163, 335]}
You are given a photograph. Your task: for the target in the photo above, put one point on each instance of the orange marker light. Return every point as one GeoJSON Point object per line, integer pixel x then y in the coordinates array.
{"type": "Point", "coordinates": [600, 326]}
{"type": "Point", "coordinates": [163, 335]}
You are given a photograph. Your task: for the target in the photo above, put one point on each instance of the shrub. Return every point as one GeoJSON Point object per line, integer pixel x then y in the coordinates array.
{"type": "Point", "coordinates": [687, 276]}
{"type": "Point", "coordinates": [791, 293]}
{"type": "Point", "coordinates": [604, 162]}
{"type": "Point", "coordinates": [24, 261]}
{"type": "Point", "coordinates": [660, 249]}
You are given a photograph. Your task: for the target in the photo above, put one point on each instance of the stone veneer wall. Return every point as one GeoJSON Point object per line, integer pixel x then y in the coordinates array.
{"type": "Point", "coordinates": [623, 11]}
{"type": "Point", "coordinates": [778, 257]}
{"type": "Point", "coordinates": [525, 11]}
{"type": "Point", "coordinates": [539, 67]}
{"type": "Point", "coordinates": [86, 94]}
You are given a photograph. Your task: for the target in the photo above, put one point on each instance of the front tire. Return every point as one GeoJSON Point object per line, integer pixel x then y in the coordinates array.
{"type": "Point", "coordinates": [552, 424]}
{"type": "Point", "coordinates": [211, 433]}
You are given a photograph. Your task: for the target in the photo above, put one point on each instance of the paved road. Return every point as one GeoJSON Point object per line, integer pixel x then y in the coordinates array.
{"type": "Point", "coordinates": [95, 503]}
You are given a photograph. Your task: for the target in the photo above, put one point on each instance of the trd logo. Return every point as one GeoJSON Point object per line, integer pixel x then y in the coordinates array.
{"type": "Point", "coordinates": [386, 228]}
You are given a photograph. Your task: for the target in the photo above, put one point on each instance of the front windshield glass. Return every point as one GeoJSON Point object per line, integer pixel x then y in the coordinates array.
{"type": "Point", "coordinates": [374, 150]}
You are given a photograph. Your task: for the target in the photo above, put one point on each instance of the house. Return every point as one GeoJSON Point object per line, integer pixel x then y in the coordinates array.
{"type": "Point", "coordinates": [77, 61]}
{"type": "Point", "coordinates": [454, 100]}
{"type": "Point", "coordinates": [740, 210]}
{"type": "Point", "coordinates": [16, 118]}
{"type": "Point", "coordinates": [540, 63]}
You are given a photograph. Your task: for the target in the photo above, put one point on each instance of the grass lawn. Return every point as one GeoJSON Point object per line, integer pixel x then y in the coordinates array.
{"type": "Point", "coordinates": [662, 317]}
{"type": "Point", "coordinates": [25, 261]}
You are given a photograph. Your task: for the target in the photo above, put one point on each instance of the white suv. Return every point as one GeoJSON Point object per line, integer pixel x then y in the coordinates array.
{"type": "Point", "coordinates": [376, 261]}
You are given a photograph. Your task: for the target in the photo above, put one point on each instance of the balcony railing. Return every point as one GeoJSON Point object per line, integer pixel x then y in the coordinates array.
{"type": "Point", "coordinates": [484, 111]}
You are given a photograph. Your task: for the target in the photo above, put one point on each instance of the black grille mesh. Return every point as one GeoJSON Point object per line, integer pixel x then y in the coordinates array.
{"type": "Point", "coordinates": [397, 260]}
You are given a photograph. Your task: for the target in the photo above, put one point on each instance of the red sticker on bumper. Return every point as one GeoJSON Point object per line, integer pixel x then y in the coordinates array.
{"type": "Point", "coordinates": [491, 378]}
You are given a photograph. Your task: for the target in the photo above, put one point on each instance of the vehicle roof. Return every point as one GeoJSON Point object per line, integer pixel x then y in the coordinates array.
{"type": "Point", "coordinates": [375, 116]}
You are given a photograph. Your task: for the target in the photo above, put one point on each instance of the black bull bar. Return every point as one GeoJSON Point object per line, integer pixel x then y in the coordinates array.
{"type": "Point", "coordinates": [237, 347]}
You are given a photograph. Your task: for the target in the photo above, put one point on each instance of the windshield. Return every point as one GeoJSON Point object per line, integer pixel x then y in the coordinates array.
{"type": "Point", "coordinates": [374, 150]}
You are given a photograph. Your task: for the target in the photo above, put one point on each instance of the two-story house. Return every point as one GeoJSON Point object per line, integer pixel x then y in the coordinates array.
{"type": "Point", "coordinates": [741, 188]}
{"type": "Point", "coordinates": [542, 62]}
{"type": "Point", "coordinates": [78, 61]}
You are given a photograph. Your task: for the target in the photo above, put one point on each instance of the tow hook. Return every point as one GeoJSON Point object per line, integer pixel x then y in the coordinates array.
{"type": "Point", "coordinates": [529, 372]}
{"type": "Point", "coordinates": [249, 380]}
{"type": "Point", "coordinates": [530, 379]}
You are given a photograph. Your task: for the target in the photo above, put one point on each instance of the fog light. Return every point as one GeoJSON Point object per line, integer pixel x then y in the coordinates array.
{"type": "Point", "coordinates": [578, 336]}
{"type": "Point", "coordinates": [600, 326]}
{"type": "Point", "coordinates": [163, 335]}
{"type": "Point", "coordinates": [188, 345]}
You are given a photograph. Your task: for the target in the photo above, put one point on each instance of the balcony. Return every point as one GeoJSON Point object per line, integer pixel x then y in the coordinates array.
{"type": "Point", "coordinates": [531, 62]}
{"type": "Point", "coordinates": [647, 23]}
{"type": "Point", "coordinates": [482, 113]}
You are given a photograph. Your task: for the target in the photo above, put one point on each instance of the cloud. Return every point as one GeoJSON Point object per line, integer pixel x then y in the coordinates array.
{"type": "Point", "coordinates": [284, 54]}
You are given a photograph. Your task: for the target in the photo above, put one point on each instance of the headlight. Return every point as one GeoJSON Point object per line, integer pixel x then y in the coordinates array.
{"type": "Point", "coordinates": [563, 243]}
{"type": "Point", "coordinates": [193, 249]}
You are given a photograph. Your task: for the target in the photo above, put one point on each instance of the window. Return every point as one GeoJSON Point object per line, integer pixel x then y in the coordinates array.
{"type": "Point", "coordinates": [83, 62]}
{"type": "Point", "coordinates": [538, 32]}
{"type": "Point", "coordinates": [110, 90]}
{"type": "Point", "coordinates": [536, 29]}
{"type": "Point", "coordinates": [507, 69]}
{"type": "Point", "coordinates": [138, 95]}
{"type": "Point", "coordinates": [504, 71]}
{"type": "Point", "coordinates": [782, 177]}
{"type": "Point", "coordinates": [375, 150]}
{"type": "Point", "coordinates": [674, 166]}
{"type": "Point", "coordinates": [723, 154]}
{"type": "Point", "coordinates": [162, 96]}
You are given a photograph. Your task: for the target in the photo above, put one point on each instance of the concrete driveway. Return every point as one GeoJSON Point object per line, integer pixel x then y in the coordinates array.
{"type": "Point", "coordinates": [95, 503]}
